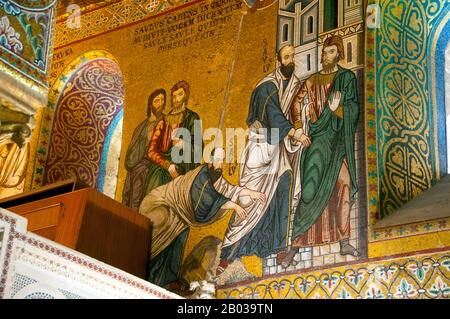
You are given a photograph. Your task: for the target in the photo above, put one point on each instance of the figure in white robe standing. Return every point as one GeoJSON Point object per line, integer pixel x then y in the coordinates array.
{"type": "Point", "coordinates": [266, 167]}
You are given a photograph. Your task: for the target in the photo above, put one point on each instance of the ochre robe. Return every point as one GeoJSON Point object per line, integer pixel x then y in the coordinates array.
{"type": "Point", "coordinates": [189, 200]}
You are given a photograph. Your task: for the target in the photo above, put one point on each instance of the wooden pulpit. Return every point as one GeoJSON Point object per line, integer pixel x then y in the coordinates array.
{"type": "Point", "coordinates": [86, 221]}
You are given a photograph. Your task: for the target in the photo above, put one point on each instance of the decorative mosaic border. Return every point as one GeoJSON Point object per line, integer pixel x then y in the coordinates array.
{"type": "Point", "coordinates": [112, 16]}
{"type": "Point", "coordinates": [374, 156]}
{"type": "Point", "coordinates": [412, 277]}
{"type": "Point", "coordinates": [371, 129]}
{"type": "Point", "coordinates": [17, 232]}
{"type": "Point", "coordinates": [407, 127]}
{"type": "Point", "coordinates": [6, 252]}
{"type": "Point", "coordinates": [85, 6]}
{"type": "Point", "coordinates": [372, 153]}
{"type": "Point", "coordinates": [406, 230]}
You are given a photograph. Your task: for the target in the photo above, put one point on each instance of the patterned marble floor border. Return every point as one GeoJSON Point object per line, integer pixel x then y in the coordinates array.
{"type": "Point", "coordinates": [424, 275]}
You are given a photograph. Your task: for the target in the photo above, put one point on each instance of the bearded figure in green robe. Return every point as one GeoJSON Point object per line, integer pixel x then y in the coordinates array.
{"type": "Point", "coordinates": [328, 172]}
{"type": "Point", "coordinates": [174, 148]}
{"type": "Point", "coordinates": [136, 160]}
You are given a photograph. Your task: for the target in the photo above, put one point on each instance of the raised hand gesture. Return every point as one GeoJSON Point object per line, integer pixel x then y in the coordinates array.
{"type": "Point", "coordinates": [336, 101]}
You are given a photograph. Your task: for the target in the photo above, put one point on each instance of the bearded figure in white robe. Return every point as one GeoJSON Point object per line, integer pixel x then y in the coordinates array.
{"type": "Point", "coordinates": [273, 150]}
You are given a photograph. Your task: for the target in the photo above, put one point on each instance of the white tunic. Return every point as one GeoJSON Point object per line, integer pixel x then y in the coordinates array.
{"type": "Point", "coordinates": [263, 164]}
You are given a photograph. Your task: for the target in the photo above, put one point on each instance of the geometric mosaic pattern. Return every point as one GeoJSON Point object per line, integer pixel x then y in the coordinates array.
{"type": "Point", "coordinates": [20, 282]}
{"type": "Point", "coordinates": [70, 295]}
{"type": "Point", "coordinates": [375, 147]}
{"type": "Point", "coordinates": [63, 5]}
{"type": "Point", "coordinates": [110, 17]}
{"type": "Point", "coordinates": [39, 295]}
{"type": "Point", "coordinates": [410, 229]}
{"type": "Point", "coordinates": [408, 162]}
{"type": "Point", "coordinates": [413, 277]}
{"type": "Point", "coordinates": [2, 231]}
{"type": "Point", "coordinates": [371, 120]}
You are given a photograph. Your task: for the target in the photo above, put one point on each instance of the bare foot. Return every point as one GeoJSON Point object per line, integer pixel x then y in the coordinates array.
{"type": "Point", "coordinates": [288, 259]}
{"type": "Point", "coordinates": [347, 249]}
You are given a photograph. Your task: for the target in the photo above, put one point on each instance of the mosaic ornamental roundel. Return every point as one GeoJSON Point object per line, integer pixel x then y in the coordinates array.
{"type": "Point", "coordinates": [86, 108]}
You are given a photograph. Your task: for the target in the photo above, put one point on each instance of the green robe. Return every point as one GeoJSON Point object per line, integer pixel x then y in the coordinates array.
{"type": "Point", "coordinates": [137, 164]}
{"type": "Point", "coordinates": [333, 139]}
{"type": "Point", "coordinates": [158, 175]}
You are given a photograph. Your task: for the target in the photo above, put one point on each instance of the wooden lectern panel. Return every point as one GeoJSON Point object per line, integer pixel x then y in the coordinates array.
{"type": "Point", "coordinates": [114, 233]}
{"type": "Point", "coordinates": [44, 221]}
{"type": "Point", "coordinates": [89, 222]}
{"type": "Point", "coordinates": [73, 206]}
